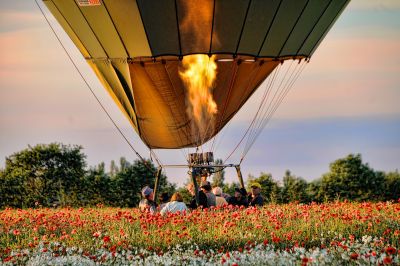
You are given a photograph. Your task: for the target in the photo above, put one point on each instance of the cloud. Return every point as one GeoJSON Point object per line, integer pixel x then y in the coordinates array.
{"type": "Point", "coordinates": [35, 49]}
{"type": "Point", "coordinates": [345, 77]}
{"type": "Point", "coordinates": [357, 54]}
{"type": "Point", "coordinates": [41, 88]}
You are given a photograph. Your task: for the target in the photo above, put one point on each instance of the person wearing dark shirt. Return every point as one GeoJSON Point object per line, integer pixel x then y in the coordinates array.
{"type": "Point", "coordinates": [211, 198]}
{"type": "Point", "coordinates": [164, 199]}
{"type": "Point", "coordinates": [240, 198]}
{"type": "Point", "coordinates": [255, 198]}
{"type": "Point", "coordinates": [202, 198]}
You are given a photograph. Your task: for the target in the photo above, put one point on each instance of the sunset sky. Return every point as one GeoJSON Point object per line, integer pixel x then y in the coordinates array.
{"type": "Point", "coordinates": [347, 99]}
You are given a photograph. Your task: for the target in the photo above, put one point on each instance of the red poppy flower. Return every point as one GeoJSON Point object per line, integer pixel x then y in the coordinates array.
{"type": "Point", "coordinates": [354, 256]}
{"type": "Point", "coordinates": [390, 250]}
{"type": "Point", "coordinates": [387, 260]}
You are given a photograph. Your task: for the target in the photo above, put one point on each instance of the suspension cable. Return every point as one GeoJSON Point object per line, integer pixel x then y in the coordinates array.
{"type": "Point", "coordinates": [265, 115]}
{"type": "Point", "coordinates": [282, 95]}
{"type": "Point", "coordinates": [253, 74]}
{"type": "Point", "coordinates": [249, 129]}
{"type": "Point", "coordinates": [267, 118]}
{"type": "Point", "coordinates": [258, 125]}
{"type": "Point", "coordinates": [258, 116]}
{"type": "Point", "coordinates": [91, 90]}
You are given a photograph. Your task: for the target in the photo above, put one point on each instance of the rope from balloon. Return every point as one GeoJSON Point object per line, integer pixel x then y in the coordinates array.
{"type": "Point", "coordinates": [254, 73]}
{"type": "Point", "coordinates": [270, 111]}
{"type": "Point", "coordinates": [268, 105]}
{"type": "Point", "coordinates": [255, 116]}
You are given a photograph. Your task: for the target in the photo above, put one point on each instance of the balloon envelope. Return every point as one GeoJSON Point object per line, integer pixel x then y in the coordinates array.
{"type": "Point", "coordinates": [134, 48]}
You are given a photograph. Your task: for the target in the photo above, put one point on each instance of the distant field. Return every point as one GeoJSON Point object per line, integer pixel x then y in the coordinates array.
{"type": "Point", "coordinates": [341, 233]}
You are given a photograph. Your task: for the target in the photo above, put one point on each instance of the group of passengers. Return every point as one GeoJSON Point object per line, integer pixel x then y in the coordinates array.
{"type": "Point", "coordinates": [207, 197]}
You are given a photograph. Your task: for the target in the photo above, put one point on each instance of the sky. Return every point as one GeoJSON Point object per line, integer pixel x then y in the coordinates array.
{"type": "Point", "coordinates": [347, 99]}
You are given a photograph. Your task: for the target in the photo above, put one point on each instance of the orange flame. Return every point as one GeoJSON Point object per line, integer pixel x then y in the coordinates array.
{"type": "Point", "coordinates": [199, 76]}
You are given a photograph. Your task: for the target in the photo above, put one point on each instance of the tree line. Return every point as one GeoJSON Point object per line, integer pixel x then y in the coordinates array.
{"type": "Point", "coordinates": [348, 179]}
{"type": "Point", "coordinates": [57, 175]}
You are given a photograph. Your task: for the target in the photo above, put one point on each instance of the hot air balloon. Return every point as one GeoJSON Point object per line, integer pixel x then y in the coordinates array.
{"type": "Point", "coordinates": [142, 52]}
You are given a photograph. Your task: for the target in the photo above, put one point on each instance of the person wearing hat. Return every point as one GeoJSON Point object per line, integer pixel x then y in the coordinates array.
{"type": "Point", "coordinates": [256, 199]}
{"type": "Point", "coordinates": [211, 198]}
{"type": "Point", "coordinates": [147, 204]}
{"type": "Point", "coordinates": [240, 198]}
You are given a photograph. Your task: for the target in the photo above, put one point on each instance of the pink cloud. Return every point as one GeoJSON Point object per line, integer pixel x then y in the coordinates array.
{"type": "Point", "coordinates": [346, 77]}
{"type": "Point", "coordinates": [355, 54]}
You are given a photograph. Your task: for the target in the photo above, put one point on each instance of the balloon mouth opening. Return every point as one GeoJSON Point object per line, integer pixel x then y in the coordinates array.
{"type": "Point", "coordinates": [220, 58]}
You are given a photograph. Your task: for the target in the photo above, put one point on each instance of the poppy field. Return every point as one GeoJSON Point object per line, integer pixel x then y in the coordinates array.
{"type": "Point", "coordinates": [292, 234]}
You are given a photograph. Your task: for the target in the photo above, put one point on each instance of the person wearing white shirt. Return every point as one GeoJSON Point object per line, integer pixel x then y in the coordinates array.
{"type": "Point", "coordinates": [176, 204]}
